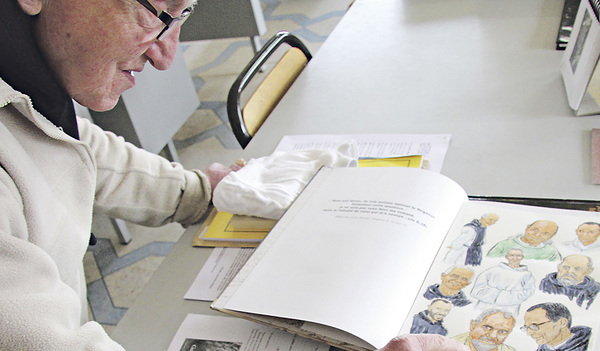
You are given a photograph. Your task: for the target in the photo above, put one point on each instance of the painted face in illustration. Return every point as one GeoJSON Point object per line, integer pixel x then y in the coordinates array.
{"type": "Point", "coordinates": [542, 329]}
{"type": "Point", "coordinates": [538, 232]}
{"type": "Point", "coordinates": [489, 220]}
{"type": "Point", "coordinates": [514, 257]}
{"type": "Point", "coordinates": [438, 309]}
{"type": "Point", "coordinates": [457, 279]}
{"type": "Point", "coordinates": [573, 269]}
{"type": "Point", "coordinates": [588, 233]}
{"type": "Point", "coordinates": [491, 331]}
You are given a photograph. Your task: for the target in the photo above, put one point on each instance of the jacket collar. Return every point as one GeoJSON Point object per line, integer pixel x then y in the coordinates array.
{"type": "Point", "coordinates": [23, 67]}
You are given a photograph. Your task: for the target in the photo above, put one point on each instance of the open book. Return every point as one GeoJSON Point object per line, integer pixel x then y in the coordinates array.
{"type": "Point", "coordinates": [365, 254]}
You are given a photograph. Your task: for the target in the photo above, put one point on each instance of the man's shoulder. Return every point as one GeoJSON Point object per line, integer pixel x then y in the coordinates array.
{"type": "Point", "coordinates": [510, 241]}
{"type": "Point", "coordinates": [8, 93]}
{"type": "Point", "coordinates": [462, 338]}
{"type": "Point", "coordinates": [422, 317]}
{"type": "Point", "coordinates": [550, 277]}
{"type": "Point", "coordinates": [504, 347]}
{"type": "Point", "coordinates": [5, 89]}
{"type": "Point", "coordinates": [592, 283]}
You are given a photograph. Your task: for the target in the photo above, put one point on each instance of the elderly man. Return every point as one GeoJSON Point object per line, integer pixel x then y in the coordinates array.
{"type": "Point", "coordinates": [56, 168]}
{"type": "Point", "coordinates": [535, 242]}
{"type": "Point", "coordinates": [488, 331]}
{"type": "Point", "coordinates": [573, 280]}
{"type": "Point", "coordinates": [466, 248]}
{"type": "Point", "coordinates": [587, 237]}
{"type": "Point", "coordinates": [549, 324]}
{"type": "Point", "coordinates": [450, 288]}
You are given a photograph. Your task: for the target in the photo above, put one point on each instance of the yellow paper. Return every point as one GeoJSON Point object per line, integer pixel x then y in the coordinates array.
{"type": "Point", "coordinates": [404, 161]}
{"type": "Point", "coordinates": [228, 227]}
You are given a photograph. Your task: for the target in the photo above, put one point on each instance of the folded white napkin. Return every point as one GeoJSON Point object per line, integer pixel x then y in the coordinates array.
{"type": "Point", "coordinates": [266, 186]}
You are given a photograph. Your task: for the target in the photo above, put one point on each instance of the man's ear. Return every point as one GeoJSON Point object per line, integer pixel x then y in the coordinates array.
{"type": "Point", "coordinates": [563, 322]}
{"type": "Point", "coordinates": [31, 7]}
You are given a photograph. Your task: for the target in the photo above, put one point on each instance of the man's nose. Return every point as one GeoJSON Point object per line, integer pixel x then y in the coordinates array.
{"type": "Point", "coordinates": [162, 52]}
{"type": "Point", "coordinates": [493, 335]}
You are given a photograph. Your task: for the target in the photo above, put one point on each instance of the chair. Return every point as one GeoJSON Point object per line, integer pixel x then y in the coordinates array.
{"type": "Point", "coordinates": [247, 118]}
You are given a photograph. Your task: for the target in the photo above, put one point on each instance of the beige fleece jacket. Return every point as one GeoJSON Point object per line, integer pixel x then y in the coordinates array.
{"type": "Point", "coordinates": [49, 185]}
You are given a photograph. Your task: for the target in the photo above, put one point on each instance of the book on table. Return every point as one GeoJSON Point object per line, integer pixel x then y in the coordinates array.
{"type": "Point", "coordinates": [365, 254]}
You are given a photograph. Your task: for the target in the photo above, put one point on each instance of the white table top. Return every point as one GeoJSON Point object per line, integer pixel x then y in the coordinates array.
{"type": "Point", "coordinates": [484, 71]}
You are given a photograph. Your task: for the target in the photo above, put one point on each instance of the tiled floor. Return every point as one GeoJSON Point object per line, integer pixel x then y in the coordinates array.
{"type": "Point", "coordinates": [116, 273]}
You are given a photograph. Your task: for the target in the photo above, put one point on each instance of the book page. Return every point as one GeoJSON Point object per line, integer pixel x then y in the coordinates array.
{"type": "Point", "coordinates": [352, 252]}
{"type": "Point", "coordinates": [483, 276]}
{"type": "Point", "coordinates": [218, 271]}
{"type": "Point", "coordinates": [203, 332]}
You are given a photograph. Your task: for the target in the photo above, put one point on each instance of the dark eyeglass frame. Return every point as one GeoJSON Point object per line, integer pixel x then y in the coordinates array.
{"type": "Point", "coordinates": [533, 326]}
{"type": "Point", "coordinates": [169, 21]}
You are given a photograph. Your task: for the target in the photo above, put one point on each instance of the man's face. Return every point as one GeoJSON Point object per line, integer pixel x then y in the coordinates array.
{"type": "Point", "coordinates": [438, 310]}
{"type": "Point", "coordinates": [514, 257]}
{"type": "Point", "coordinates": [588, 233]}
{"type": "Point", "coordinates": [94, 46]}
{"type": "Point", "coordinates": [491, 331]}
{"type": "Point", "coordinates": [573, 269]}
{"type": "Point", "coordinates": [539, 231]}
{"type": "Point", "coordinates": [547, 331]}
{"type": "Point", "coordinates": [489, 220]}
{"type": "Point", "coordinates": [457, 279]}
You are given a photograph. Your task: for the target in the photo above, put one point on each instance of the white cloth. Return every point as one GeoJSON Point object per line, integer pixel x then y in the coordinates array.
{"type": "Point", "coordinates": [267, 186]}
{"type": "Point", "coordinates": [578, 246]}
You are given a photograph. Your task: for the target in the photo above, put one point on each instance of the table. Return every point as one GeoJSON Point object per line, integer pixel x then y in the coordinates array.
{"type": "Point", "coordinates": [484, 71]}
{"type": "Point", "coordinates": [151, 322]}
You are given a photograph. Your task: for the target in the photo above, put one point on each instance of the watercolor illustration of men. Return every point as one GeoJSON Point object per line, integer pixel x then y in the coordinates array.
{"type": "Point", "coordinates": [535, 242]}
{"type": "Point", "coordinates": [573, 280]}
{"type": "Point", "coordinates": [466, 248]}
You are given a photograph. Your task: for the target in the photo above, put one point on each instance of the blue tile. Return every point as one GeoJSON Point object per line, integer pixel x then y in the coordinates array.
{"type": "Point", "coordinates": [100, 302]}
{"type": "Point", "coordinates": [108, 262]}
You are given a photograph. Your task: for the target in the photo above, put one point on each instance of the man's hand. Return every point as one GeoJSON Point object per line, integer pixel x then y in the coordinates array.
{"type": "Point", "coordinates": [423, 342]}
{"type": "Point", "coordinates": [216, 171]}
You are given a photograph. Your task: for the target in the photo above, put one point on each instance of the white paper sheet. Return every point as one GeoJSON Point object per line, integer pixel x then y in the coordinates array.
{"type": "Point", "coordinates": [384, 223]}
{"type": "Point", "coordinates": [202, 332]}
{"type": "Point", "coordinates": [432, 147]}
{"type": "Point", "coordinates": [222, 265]}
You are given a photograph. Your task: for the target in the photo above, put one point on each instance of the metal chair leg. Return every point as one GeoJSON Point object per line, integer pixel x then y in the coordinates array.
{"type": "Point", "coordinates": [121, 230]}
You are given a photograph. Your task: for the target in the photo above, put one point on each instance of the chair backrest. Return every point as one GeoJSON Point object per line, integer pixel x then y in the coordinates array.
{"type": "Point", "coordinates": [246, 120]}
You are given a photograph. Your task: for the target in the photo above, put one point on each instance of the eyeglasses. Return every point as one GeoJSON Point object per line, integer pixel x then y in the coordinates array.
{"type": "Point", "coordinates": [533, 326]}
{"type": "Point", "coordinates": [169, 21]}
